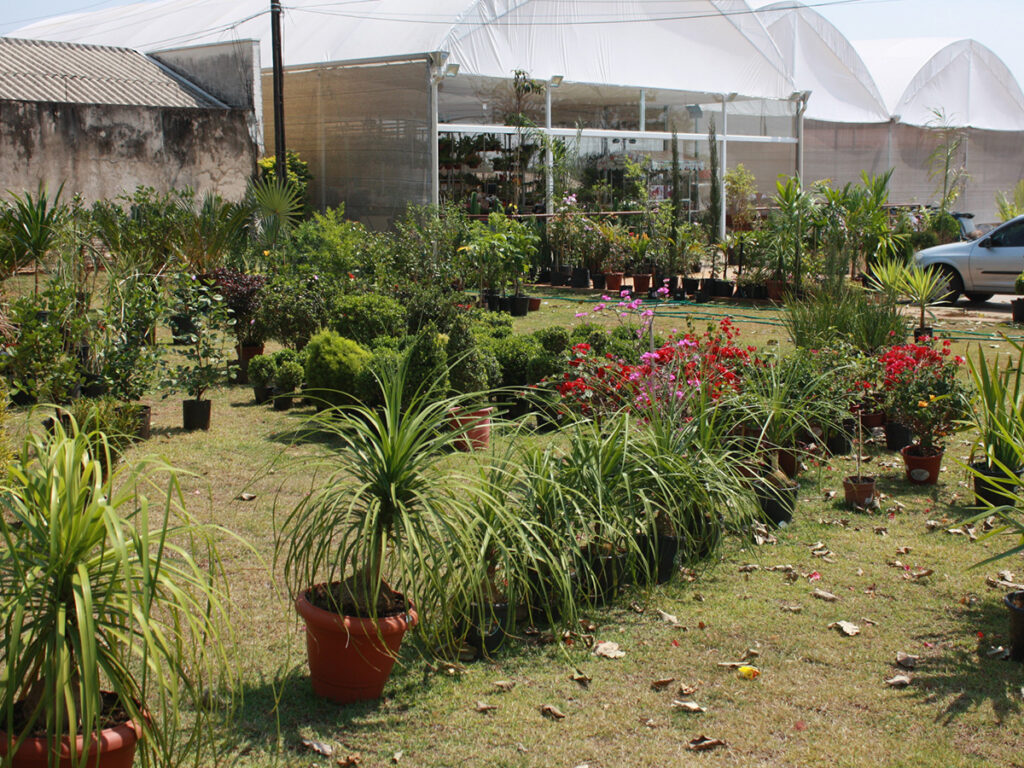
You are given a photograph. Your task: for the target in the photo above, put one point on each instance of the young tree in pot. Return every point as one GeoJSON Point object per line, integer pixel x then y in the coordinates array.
{"type": "Point", "coordinates": [242, 294]}
{"type": "Point", "coordinates": [262, 369]}
{"type": "Point", "coordinates": [111, 627]}
{"type": "Point", "coordinates": [287, 379]}
{"type": "Point", "coordinates": [205, 365]}
{"type": "Point", "coordinates": [389, 505]}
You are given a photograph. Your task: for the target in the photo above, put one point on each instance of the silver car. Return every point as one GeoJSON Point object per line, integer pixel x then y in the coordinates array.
{"type": "Point", "coordinates": [983, 267]}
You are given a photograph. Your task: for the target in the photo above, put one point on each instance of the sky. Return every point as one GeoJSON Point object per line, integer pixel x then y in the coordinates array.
{"type": "Point", "coordinates": [994, 23]}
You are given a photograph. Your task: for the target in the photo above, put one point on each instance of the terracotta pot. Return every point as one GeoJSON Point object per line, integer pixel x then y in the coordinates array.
{"type": "Point", "coordinates": [613, 281]}
{"type": "Point", "coordinates": [859, 490]}
{"type": "Point", "coordinates": [350, 659]}
{"type": "Point", "coordinates": [872, 420]}
{"type": "Point", "coordinates": [245, 354]}
{"type": "Point", "coordinates": [921, 470]}
{"type": "Point", "coordinates": [641, 283]}
{"type": "Point", "coordinates": [116, 749]}
{"type": "Point", "coordinates": [776, 289]}
{"type": "Point", "coordinates": [476, 426]}
{"type": "Point", "coordinates": [534, 304]}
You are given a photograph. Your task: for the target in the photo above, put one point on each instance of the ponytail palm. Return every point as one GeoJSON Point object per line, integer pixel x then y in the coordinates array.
{"type": "Point", "coordinates": [98, 595]}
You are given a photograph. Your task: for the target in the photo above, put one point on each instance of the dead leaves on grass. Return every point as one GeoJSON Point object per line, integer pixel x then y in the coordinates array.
{"type": "Point", "coordinates": [845, 627]}
{"type": "Point", "coordinates": [552, 712]}
{"type": "Point", "coordinates": [609, 650]}
{"type": "Point", "coordinates": [821, 594]}
{"type": "Point", "coordinates": [704, 743]}
{"type": "Point", "coordinates": [686, 706]}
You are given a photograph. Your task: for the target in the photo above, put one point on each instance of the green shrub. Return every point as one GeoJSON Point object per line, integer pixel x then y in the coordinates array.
{"type": "Point", "coordinates": [289, 376]}
{"type": "Point", "coordinates": [364, 317]}
{"type": "Point", "coordinates": [431, 304]}
{"type": "Point", "coordinates": [469, 371]}
{"type": "Point", "coordinates": [554, 340]}
{"type": "Point", "coordinates": [286, 355]}
{"type": "Point", "coordinates": [295, 306]}
{"type": "Point", "coordinates": [262, 369]}
{"type": "Point", "coordinates": [428, 362]}
{"type": "Point", "coordinates": [383, 363]}
{"type": "Point", "coordinates": [514, 354]}
{"type": "Point", "coordinates": [496, 325]}
{"type": "Point", "coordinates": [334, 366]}
{"type": "Point", "coordinates": [544, 365]}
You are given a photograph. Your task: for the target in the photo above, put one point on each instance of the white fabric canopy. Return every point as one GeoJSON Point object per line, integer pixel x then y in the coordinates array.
{"type": "Point", "coordinates": [821, 60]}
{"type": "Point", "coordinates": [714, 46]}
{"type": "Point", "coordinates": [961, 77]}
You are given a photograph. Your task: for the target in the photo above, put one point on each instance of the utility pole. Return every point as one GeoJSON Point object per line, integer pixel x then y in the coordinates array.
{"type": "Point", "coordinates": [280, 161]}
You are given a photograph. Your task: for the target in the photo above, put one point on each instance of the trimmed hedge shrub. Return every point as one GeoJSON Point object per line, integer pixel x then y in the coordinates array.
{"type": "Point", "coordinates": [514, 354]}
{"type": "Point", "coordinates": [428, 362]}
{"type": "Point", "coordinates": [469, 371]}
{"type": "Point", "coordinates": [364, 317]}
{"type": "Point", "coordinates": [262, 369]}
{"type": "Point", "coordinates": [334, 366]}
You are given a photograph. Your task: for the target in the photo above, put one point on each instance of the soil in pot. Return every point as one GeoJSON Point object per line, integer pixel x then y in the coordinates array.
{"type": "Point", "coordinates": [1015, 603]}
{"type": "Point", "coordinates": [116, 745]}
{"type": "Point", "coordinates": [859, 490]}
{"type": "Point", "coordinates": [921, 469]}
{"type": "Point", "coordinates": [195, 414]}
{"type": "Point", "coordinates": [350, 658]}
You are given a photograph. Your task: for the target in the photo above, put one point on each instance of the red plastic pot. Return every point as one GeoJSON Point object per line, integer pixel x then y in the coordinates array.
{"type": "Point", "coordinates": [859, 490]}
{"type": "Point", "coordinates": [921, 470]}
{"type": "Point", "coordinates": [641, 283]}
{"type": "Point", "coordinates": [245, 354]}
{"type": "Point", "coordinates": [116, 749]}
{"type": "Point", "coordinates": [613, 281]}
{"type": "Point", "coordinates": [351, 659]}
{"type": "Point", "coordinates": [534, 303]}
{"type": "Point", "coordinates": [476, 427]}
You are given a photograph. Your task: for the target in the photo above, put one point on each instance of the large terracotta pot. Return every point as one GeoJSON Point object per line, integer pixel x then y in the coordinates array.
{"type": "Point", "coordinates": [859, 490]}
{"type": "Point", "coordinates": [613, 281]}
{"type": "Point", "coordinates": [641, 283]}
{"type": "Point", "coordinates": [476, 426]}
{"type": "Point", "coordinates": [245, 354]}
{"type": "Point", "coordinates": [921, 470]}
{"type": "Point", "coordinates": [116, 747]}
{"type": "Point", "coordinates": [351, 659]}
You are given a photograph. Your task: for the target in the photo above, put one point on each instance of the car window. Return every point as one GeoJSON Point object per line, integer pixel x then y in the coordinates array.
{"type": "Point", "coordinates": [1010, 236]}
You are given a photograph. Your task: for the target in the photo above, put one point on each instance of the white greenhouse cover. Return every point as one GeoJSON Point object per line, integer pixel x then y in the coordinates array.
{"type": "Point", "coordinates": [714, 46]}
{"type": "Point", "coordinates": [825, 63]}
{"type": "Point", "coordinates": [962, 77]}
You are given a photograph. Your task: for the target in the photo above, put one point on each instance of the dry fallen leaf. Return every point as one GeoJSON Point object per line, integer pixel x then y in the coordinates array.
{"type": "Point", "coordinates": [483, 706]}
{"type": "Point", "coordinates": [881, 530]}
{"type": "Point", "coordinates": [750, 653]}
{"type": "Point", "coordinates": [667, 617]}
{"type": "Point", "coordinates": [648, 721]}
{"type": "Point", "coordinates": [246, 496]}
{"type": "Point", "coordinates": [397, 757]}
{"type": "Point", "coordinates": [687, 706]}
{"type": "Point", "coordinates": [906, 660]}
{"type": "Point", "coordinates": [898, 681]}
{"type": "Point", "coordinates": [932, 525]}
{"type": "Point", "coordinates": [791, 608]}
{"type": "Point", "coordinates": [846, 627]}
{"type": "Point", "coordinates": [829, 495]}
{"type": "Point", "coordinates": [821, 594]}
{"type": "Point", "coordinates": [350, 761]}
{"type": "Point", "coordinates": [687, 690]}
{"type": "Point", "coordinates": [902, 550]}
{"type": "Point", "coordinates": [703, 743]}
{"type": "Point", "coordinates": [552, 712]}
{"type": "Point", "coordinates": [782, 568]}
{"type": "Point", "coordinates": [609, 650]}
{"type": "Point", "coordinates": [504, 685]}
{"type": "Point", "coordinates": [318, 746]}
{"type": "Point", "coordinates": [663, 683]}
{"type": "Point", "coordinates": [580, 677]}
{"type": "Point", "coordinates": [749, 568]}
{"type": "Point", "coordinates": [920, 573]}
{"type": "Point", "coordinates": [731, 664]}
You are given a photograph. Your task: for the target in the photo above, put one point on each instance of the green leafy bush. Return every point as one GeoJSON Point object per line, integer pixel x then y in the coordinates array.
{"type": "Point", "coordinates": [364, 317]}
{"type": "Point", "coordinates": [554, 340]}
{"type": "Point", "coordinates": [333, 367]}
{"type": "Point", "coordinates": [295, 306]}
{"type": "Point", "coordinates": [262, 369]}
{"type": "Point", "coordinates": [514, 354]}
{"type": "Point", "coordinates": [468, 369]}
{"type": "Point", "coordinates": [288, 377]}
{"type": "Point", "coordinates": [37, 364]}
{"type": "Point", "coordinates": [428, 363]}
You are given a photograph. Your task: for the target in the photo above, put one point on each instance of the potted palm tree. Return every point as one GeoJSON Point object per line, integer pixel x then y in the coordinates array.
{"type": "Point", "coordinates": [388, 506]}
{"type": "Point", "coordinates": [110, 626]}
{"type": "Point", "coordinates": [924, 288]}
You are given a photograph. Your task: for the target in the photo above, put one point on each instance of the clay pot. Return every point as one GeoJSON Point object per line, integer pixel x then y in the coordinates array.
{"type": "Point", "coordinates": [116, 749]}
{"type": "Point", "coordinates": [859, 491]}
{"type": "Point", "coordinates": [921, 470]}
{"type": "Point", "coordinates": [476, 426]}
{"type": "Point", "coordinates": [613, 281]}
{"type": "Point", "coordinates": [350, 659]}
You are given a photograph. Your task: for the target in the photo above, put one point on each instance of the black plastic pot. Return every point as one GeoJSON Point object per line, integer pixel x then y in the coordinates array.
{"type": "Point", "coordinates": [261, 394]}
{"type": "Point", "coordinates": [1015, 603]}
{"type": "Point", "coordinates": [544, 275]}
{"type": "Point", "coordinates": [580, 277]}
{"type": "Point", "coordinates": [658, 554]}
{"type": "Point", "coordinates": [597, 278]}
{"type": "Point", "coordinates": [897, 436]}
{"type": "Point", "coordinates": [560, 276]}
{"type": "Point", "coordinates": [925, 332]}
{"type": "Point", "coordinates": [994, 488]}
{"type": "Point", "coordinates": [492, 300]}
{"type": "Point", "coordinates": [608, 573]}
{"type": "Point", "coordinates": [181, 328]}
{"type": "Point", "coordinates": [721, 288]}
{"type": "Point", "coordinates": [841, 443]}
{"type": "Point", "coordinates": [195, 414]}
{"type": "Point", "coordinates": [505, 304]}
{"type": "Point", "coordinates": [488, 638]}
{"type": "Point", "coordinates": [520, 306]}
{"type": "Point", "coordinates": [777, 504]}
{"type": "Point", "coordinates": [94, 385]}
{"type": "Point", "coordinates": [1017, 307]}
{"type": "Point", "coordinates": [283, 402]}
{"type": "Point", "coordinates": [690, 285]}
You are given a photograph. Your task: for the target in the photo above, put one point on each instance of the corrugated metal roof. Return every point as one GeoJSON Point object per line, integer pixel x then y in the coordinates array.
{"type": "Point", "coordinates": [39, 70]}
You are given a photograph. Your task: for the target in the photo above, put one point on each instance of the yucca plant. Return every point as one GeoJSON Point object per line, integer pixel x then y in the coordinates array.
{"type": "Point", "coordinates": [924, 288]}
{"type": "Point", "coordinates": [998, 407]}
{"type": "Point", "coordinates": [100, 590]}
{"type": "Point", "coordinates": [33, 227]}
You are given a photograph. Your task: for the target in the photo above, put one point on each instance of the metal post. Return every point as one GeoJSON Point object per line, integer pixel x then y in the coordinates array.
{"type": "Point", "coordinates": [549, 159]}
{"type": "Point", "coordinates": [280, 160]}
{"type": "Point", "coordinates": [434, 169]}
{"type": "Point", "coordinates": [801, 109]}
{"type": "Point", "coordinates": [722, 166]}
{"type": "Point", "coordinates": [643, 109]}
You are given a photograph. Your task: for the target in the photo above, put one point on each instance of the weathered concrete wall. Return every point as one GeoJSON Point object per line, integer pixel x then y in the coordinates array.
{"type": "Point", "coordinates": [230, 72]}
{"type": "Point", "coordinates": [103, 150]}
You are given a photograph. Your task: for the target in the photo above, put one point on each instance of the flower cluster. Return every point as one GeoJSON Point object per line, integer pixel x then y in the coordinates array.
{"type": "Point", "coordinates": [922, 390]}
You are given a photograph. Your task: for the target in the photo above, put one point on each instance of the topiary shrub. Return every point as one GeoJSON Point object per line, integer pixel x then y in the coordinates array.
{"type": "Point", "coordinates": [428, 363]}
{"type": "Point", "coordinates": [497, 325]}
{"type": "Point", "coordinates": [364, 317]}
{"type": "Point", "coordinates": [554, 340]}
{"type": "Point", "coordinates": [514, 354]}
{"type": "Point", "coordinates": [262, 369]}
{"type": "Point", "coordinates": [334, 366]}
{"type": "Point", "coordinates": [468, 369]}
{"type": "Point", "coordinates": [288, 377]}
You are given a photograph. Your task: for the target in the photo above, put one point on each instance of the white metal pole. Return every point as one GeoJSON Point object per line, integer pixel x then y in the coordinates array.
{"type": "Point", "coordinates": [722, 166]}
{"type": "Point", "coordinates": [643, 110]}
{"type": "Point", "coordinates": [549, 160]}
{"type": "Point", "coordinates": [434, 168]}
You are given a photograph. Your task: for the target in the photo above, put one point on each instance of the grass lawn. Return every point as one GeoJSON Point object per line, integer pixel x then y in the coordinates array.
{"type": "Point", "coordinates": [821, 698]}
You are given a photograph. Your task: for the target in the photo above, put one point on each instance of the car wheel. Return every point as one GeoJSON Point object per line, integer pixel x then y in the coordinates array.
{"type": "Point", "coordinates": [954, 285]}
{"type": "Point", "coordinates": [978, 298]}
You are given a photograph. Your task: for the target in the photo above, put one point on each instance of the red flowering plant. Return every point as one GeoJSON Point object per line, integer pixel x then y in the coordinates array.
{"type": "Point", "coordinates": [923, 391]}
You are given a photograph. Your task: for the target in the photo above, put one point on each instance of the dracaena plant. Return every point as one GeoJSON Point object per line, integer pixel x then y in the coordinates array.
{"type": "Point", "coordinates": [103, 590]}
